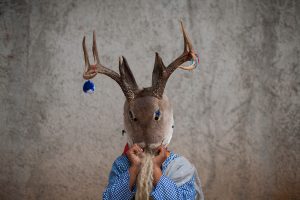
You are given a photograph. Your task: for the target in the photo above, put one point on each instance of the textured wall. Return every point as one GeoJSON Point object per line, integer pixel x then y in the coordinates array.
{"type": "Point", "coordinates": [237, 118]}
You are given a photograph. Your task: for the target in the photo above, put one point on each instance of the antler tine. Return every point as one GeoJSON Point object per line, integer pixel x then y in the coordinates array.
{"type": "Point", "coordinates": [161, 73]}
{"type": "Point", "coordinates": [187, 42]}
{"type": "Point", "coordinates": [95, 51]}
{"type": "Point", "coordinates": [89, 71]}
{"type": "Point", "coordinates": [86, 61]}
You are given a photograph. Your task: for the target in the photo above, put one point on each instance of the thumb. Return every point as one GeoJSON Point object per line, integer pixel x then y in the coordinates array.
{"type": "Point", "coordinates": [162, 152]}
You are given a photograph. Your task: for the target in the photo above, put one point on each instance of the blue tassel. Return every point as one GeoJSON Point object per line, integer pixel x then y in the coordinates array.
{"type": "Point", "coordinates": [89, 87]}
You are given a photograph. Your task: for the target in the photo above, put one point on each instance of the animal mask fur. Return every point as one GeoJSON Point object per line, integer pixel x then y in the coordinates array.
{"type": "Point", "coordinates": [148, 114]}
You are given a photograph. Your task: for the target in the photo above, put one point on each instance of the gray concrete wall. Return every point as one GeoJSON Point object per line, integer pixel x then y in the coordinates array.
{"type": "Point", "coordinates": [237, 117]}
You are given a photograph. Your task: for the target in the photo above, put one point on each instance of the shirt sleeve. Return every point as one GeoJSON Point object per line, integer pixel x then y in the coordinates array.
{"type": "Point", "coordinates": [167, 189]}
{"type": "Point", "coordinates": [118, 185]}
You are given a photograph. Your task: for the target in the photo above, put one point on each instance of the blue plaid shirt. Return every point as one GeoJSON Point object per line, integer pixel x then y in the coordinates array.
{"type": "Point", "coordinates": [118, 186]}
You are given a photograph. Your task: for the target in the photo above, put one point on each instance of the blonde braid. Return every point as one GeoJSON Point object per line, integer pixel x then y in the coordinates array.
{"type": "Point", "coordinates": [145, 178]}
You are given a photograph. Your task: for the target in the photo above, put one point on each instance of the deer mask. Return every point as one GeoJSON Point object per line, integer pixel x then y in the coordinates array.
{"type": "Point", "coordinates": [148, 114]}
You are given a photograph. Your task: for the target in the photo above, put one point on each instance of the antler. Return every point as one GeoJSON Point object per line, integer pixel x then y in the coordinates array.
{"type": "Point", "coordinates": [125, 80]}
{"type": "Point", "coordinates": [161, 73]}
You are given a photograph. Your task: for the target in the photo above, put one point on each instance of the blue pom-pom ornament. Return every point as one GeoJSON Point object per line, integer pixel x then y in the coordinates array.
{"type": "Point", "coordinates": [89, 87]}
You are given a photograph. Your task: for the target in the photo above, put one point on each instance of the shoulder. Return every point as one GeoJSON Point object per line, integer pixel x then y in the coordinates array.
{"type": "Point", "coordinates": [179, 169]}
{"type": "Point", "coordinates": [180, 162]}
{"type": "Point", "coordinates": [178, 159]}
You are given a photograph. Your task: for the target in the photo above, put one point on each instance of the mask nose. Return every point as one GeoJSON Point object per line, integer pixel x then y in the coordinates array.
{"type": "Point", "coordinates": [151, 137]}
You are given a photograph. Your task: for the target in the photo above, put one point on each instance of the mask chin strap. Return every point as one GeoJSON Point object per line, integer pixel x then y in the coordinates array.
{"type": "Point", "coordinates": [167, 139]}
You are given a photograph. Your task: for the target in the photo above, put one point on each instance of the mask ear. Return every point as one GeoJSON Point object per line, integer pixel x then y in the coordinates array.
{"type": "Point", "coordinates": [126, 75]}
{"type": "Point", "coordinates": [159, 67]}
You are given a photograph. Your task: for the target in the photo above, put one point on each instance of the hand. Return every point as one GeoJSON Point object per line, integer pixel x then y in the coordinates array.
{"type": "Point", "coordinates": [134, 155]}
{"type": "Point", "coordinates": [161, 157]}
{"type": "Point", "coordinates": [157, 162]}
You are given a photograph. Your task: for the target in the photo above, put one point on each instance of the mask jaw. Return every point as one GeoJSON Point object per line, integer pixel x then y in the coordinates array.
{"type": "Point", "coordinates": [165, 142]}
{"type": "Point", "coordinates": [129, 141]}
{"type": "Point", "coordinates": [169, 135]}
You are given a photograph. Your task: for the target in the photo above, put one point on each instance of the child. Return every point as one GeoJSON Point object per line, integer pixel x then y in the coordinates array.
{"type": "Point", "coordinates": [146, 168]}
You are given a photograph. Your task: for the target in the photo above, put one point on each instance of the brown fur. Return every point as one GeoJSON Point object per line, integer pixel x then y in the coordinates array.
{"type": "Point", "coordinates": [146, 129]}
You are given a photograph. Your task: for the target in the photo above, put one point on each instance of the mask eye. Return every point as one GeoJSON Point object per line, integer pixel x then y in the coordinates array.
{"type": "Point", "coordinates": [132, 117]}
{"type": "Point", "coordinates": [157, 115]}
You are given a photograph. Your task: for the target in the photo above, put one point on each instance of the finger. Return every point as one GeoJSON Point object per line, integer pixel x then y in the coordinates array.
{"type": "Point", "coordinates": [157, 150]}
{"type": "Point", "coordinates": [160, 149]}
{"type": "Point", "coordinates": [132, 149]}
{"type": "Point", "coordinates": [136, 148]}
{"type": "Point", "coordinates": [162, 152]}
{"type": "Point", "coordinates": [140, 154]}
